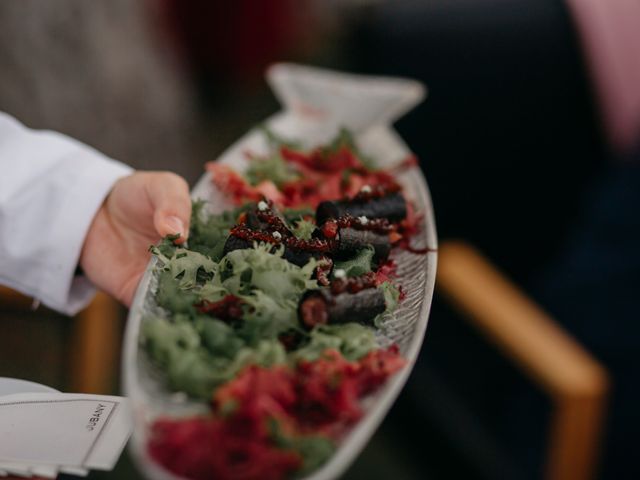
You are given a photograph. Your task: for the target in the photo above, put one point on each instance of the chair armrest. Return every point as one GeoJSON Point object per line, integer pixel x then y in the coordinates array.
{"type": "Point", "coordinates": [94, 345]}
{"type": "Point", "coordinates": [525, 334]}
{"type": "Point", "coordinates": [13, 300]}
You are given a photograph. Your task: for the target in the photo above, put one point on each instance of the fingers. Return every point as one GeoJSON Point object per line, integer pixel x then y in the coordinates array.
{"type": "Point", "coordinates": [171, 202]}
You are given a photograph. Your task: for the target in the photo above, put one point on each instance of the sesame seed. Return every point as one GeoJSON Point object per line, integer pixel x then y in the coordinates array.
{"type": "Point", "coordinates": [276, 235]}
{"type": "Point", "coordinates": [262, 206]}
{"type": "Point", "coordinates": [366, 189]}
{"type": "Point", "coordinates": [339, 273]}
{"type": "Point", "coordinates": [363, 220]}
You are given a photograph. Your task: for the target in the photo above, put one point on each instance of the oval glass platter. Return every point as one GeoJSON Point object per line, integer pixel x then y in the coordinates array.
{"type": "Point", "coordinates": [317, 103]}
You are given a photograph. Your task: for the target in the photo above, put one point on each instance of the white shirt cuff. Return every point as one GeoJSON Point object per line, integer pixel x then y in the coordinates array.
{"type": "Point", "coordinates": [50, 190]}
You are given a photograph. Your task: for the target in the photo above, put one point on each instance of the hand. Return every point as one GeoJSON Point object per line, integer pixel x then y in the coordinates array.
{"type": "Point", "coordinates": [140, 210]}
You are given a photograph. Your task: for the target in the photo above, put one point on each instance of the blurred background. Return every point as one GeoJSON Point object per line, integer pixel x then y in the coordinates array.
{"type": "Point", "coordinates": [530, 141]}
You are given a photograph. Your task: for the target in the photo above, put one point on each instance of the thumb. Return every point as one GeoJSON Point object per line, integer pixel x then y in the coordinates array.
{"type": "Point", "coordinates": [171, 203]}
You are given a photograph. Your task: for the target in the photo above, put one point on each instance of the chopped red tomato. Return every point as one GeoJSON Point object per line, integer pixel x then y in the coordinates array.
{"type": "Point", "coordinates": [323, 175]}
{"type": "Point", "coordinates": [227, 180]}
{"type": "Point", "coordinates": [386, 272]}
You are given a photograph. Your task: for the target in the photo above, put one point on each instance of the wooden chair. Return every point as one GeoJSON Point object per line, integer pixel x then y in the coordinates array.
{"type": "Point", "coordinates": [94, 343]}
{"type": "Point", "coordinates": [576, 383]}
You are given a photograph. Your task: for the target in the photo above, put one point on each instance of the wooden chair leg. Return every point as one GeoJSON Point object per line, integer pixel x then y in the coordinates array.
{"type": "Point", "coordinates": [96, 344]}
{"type": "Point", "coordinates": [576, 429]}
{"type": "Point", "coordinates": [574, 380]}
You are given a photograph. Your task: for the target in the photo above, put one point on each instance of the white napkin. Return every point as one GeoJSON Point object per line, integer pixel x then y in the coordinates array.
{"type": "Point", "coordinates": [43, 434]}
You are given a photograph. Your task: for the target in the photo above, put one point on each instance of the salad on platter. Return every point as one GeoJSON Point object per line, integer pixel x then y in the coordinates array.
{"type": "Point", "coordinates": [272, 316]}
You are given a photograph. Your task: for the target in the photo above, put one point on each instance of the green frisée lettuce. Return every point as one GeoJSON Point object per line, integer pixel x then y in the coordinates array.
{"type": "Point", "coordinates": [171, 297]}
{"type": "Point", "coordinates": [208, 233]}
{"type": "Point", "coordinates": [345, 139]}
{"type": "Point", "coordinates": [315, 450]}
{"type": "Point", "coordinates": [358, 265]}
{"type": "Point", "coordinates": [186, 266]}
{"type": "Point", "coordinates": [293, 215]}
{"type": "Point", "coordinates": [303, 229]}
{"type": "Point", "coordinates": [391, 295]}
{"type": "Point", "coordinates": [199, 355]}
{"type": "Point", "coordinates": [243, 271]}
{"type": "Point", "coordinates": [351, 339]}
{"type": "Point", "coordinates": [277, 141]}
{"type": "Point", "coordinates": [270, 286]}
{"type": "Point", "coordinates": [267, 317]}
{"type": "Point", "coordinates": [197, 351]}
{"type": "Point", "coordinates": [272, 168]}
{"type": "Point", "coordinates": [391, 300]}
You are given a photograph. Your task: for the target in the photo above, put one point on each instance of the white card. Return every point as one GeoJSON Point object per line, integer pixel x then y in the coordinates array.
{"type": "Point", "coordinates": [44, 471]}
{"type": "Point", "coordinates": [74, 430]}
{"type": "Point", "coordinates": [77, 471]}
{"type": "Point", "coordinates": [16, 469]}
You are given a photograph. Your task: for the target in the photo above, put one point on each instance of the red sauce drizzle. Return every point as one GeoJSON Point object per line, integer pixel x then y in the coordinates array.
{"type": "Point", "coordinates": [378, 225]}
{"type": "Point", "coordinates": [377, 191]}
{"type": "Point", "coordinates": [409, 162]}
{"type": "Point", "coordinates": [418, 251]}
{"type": "Point", "coordinates": [314, 245]}
{"type": "Point", "coordinates": [227, 309]}
{"type": "Point", "coordinates": [353, 284]}
{"type": "Point", "coordinates": [275, 223]}
{"type": "Point", "coordinates": [322, 271]}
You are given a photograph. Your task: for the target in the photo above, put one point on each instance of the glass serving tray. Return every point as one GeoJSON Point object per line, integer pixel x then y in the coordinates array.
{"type": "Point", "coordinates": [316, 104]}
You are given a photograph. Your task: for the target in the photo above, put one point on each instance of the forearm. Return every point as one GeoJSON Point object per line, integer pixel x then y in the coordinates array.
{"type": "Point", "coordinates": [51, 187]}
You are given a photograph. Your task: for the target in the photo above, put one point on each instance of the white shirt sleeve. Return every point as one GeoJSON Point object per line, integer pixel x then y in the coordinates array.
{"type": "Point", "coordinates": [51, 186]}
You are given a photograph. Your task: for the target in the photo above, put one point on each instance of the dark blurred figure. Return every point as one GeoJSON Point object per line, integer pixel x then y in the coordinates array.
{"type": "Point", "coordinates": [531, 144]}
{"type": "Point", "coordinates": [227, 46]}
{"type": "Point", "coordinates": [592, 285]}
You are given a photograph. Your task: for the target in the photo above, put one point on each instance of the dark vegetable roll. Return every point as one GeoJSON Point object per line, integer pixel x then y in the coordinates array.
{"type": "Point", "coordinates": [252, 221]}
{"type": "Point", "coordinates": [235, 243]}
{"type": "Point", "coordinates": [393, 207]}
{"type": "Point", "coordinates": [321, 307]}
{"type": "Point", "coordinates": [297, 257]}
{"type": "Point", "coordinates": [257, 218]}
{"type": "Point", "coordinates": [351, 240]}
